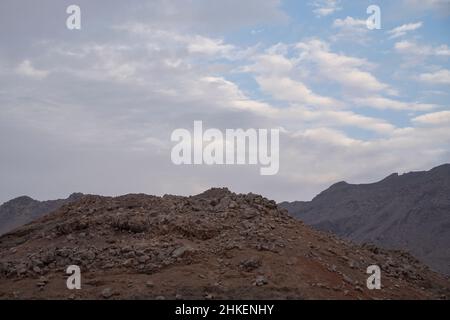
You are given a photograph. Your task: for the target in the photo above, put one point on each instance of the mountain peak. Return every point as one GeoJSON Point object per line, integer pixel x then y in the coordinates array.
{"type": "Point", "coordinates": [445, 169]}
{"type": "Point", "coordinates": [339, 184]}
{"type": "Point", "coordinates": [400, 211]}
{"type": "Point", "coordinates": [22, 200]}
{"type": "Point", "coordinates": [24, 209]}
{"type": "Point", "coordinates": [76, 196]}
{"type": "Point", "coordinates": [215, 193]}
{"type": "Point", "coordinates": [392, 176]}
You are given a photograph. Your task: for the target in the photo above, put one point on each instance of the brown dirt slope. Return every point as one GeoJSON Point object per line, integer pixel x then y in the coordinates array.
{"type": "Point", "coordinates": [216, 245]}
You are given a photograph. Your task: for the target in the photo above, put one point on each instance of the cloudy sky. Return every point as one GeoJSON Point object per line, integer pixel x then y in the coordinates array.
{"type": "Point", "coordinates": [92, 110]}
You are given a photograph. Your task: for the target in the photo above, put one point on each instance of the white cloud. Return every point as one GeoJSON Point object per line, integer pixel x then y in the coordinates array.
{"type": "Point", "coordinates": [434, 119]}
{"type": "Point", "coordinates": [438, 77]}
{"type": "Point", "coordinates": [404, 29]}
{"type": "Point", "coordinates": [324, 8]}
{"type": "Point", "coordinates": [382, 103]}
{"type": "Point", "coordinates": [197, 44]}
{"type": "Point", "coordinates": [229, 95]}
{"type": "Point", "coordinates": [412, 48]}
{"type": "Point", "coordinates": [27, 69]}
{"type": "Point", "coordinates": [345, 70]}
{"type": "Point", "coordinates": [273, 64]}
{"type": "Point", "coordinates": [339, 118]}
{"type": "Point", "coordinates": [350, 29]}
{"type": "Point", "coordinates": [274, 72]}
{"type": "Point", "coordinates": [327, 135]}
{"type": "Point", "coordinates": [332, 152]}
{"type": "Point", "coordinates": [286, 89]}
{"type": "Point", "coordinates": [349, 22]}
{"type": "Point", "coordinates": [285, 79]}
{"type": "Point", "coordinates": [204, 45]}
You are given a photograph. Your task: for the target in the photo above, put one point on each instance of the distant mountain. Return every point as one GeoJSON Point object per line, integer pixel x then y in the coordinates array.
{"type": "Point", "coordinates": [409, 212]}
{"type": "Point", "coordinates": [23, 210]}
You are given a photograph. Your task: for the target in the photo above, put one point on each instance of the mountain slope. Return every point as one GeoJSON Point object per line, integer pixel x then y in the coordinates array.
{"type": "Point", "coordinates": [217, 244]}
{"type": "Point", "coordinates": [409, 212]}
{"type": "Point", "coordinates": [22, 210]}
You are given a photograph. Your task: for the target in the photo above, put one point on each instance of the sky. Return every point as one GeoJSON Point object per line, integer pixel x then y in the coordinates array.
{"type": "Point", "coordinates": [92, 110]}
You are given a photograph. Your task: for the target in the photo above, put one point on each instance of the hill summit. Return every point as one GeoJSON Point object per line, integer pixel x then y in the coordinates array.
{"type": "Point", "coordinates": [217, 244]}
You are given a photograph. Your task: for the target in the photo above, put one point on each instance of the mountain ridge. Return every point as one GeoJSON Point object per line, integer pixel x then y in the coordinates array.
{"type": "Point", "coordinates": [410, 211]}
{"type": "Point", "coordinates": [24, 209]}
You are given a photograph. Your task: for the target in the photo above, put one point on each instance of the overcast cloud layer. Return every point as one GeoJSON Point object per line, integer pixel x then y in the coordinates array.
{"type": "Point", "coordinates": [92, 110]}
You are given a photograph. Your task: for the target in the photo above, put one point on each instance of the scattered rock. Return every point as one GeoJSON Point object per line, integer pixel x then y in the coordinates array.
{"type": "Point", "coordinates": [209, 296]}
{"type": "Point", "coordinates": [260, 281]}
{"type": "Point", "coordinates": [182, 251]}
{"type": "Point", "coordinates": [250, 264]}
{"type": "Point", "coordinates": [42, 282]}
{"type": "Point", "coordinates": [347, 279]}
{"type": "Point", "coordinates": [107, 293]}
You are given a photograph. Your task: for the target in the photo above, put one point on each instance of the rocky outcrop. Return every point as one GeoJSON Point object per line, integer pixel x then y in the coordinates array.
{"type": "Point", "coordinates": [217, 244]}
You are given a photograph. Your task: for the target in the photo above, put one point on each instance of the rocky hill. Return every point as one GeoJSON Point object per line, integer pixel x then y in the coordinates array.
{"type": "Point", "coordinates": [22, 210]}
{"type": "Point", "coordinates": [409, 212]}
{"type": "Point", "coordinates": [215, 245]}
